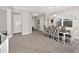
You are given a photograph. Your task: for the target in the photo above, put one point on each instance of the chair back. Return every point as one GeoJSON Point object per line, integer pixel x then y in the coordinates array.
{"type": "Point", "coordinates": [45, 28]}
{"type": "Point", "coordinates": [63, 29]}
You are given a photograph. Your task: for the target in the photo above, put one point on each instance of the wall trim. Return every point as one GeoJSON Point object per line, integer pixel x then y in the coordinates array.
{"type": "Point", "coordinates": [10, 36]}
{"type": "Point", "coordinates": [26, 33]}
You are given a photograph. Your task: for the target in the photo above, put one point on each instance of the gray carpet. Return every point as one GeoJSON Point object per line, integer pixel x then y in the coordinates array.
{"type": "Point", "coordinates": [39, 43]}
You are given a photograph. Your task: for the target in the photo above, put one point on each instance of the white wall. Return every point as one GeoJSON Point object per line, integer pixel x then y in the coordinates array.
{"type": "Point", "coordinates": [75, 32]}
{"type": "Point", "coordinates": [3, 21]}
{"type": "Point", "coordinates": [41, 23]}
{"type": "Point", "coordinates": [26, 22]}
{"type": "Point", "coordinates": [9, 22]}
{"type": "Point", "coordinates": [33, 22]}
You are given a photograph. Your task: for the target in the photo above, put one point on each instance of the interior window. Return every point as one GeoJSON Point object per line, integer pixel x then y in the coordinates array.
{"type": "Point", "coordinates": [67, 23]}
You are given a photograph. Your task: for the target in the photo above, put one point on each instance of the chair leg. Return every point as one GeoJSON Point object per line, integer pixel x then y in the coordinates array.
{"type": "Point", "coordinates": [52, 37]}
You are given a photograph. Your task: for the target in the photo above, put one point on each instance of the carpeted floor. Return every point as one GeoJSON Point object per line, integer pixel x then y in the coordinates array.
{"type": "Point", "coordinates": [39, 43]}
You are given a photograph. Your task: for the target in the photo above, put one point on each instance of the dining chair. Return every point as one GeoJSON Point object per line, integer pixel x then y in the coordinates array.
{"type": "Point", "coordinates": [62, 29]}
{"type": "Point", "coordinates": [52, 33]}
{"type": "Point", "coordinates": [61, 37]}
{"type": "Point", "coordinates": [49, 31]}
{"type": "Point", "coordinates": [56, 33]}
{"type": "Point", "coordinates": [67, 38]}
{"type": "Point", "coordinates": [45, 30]}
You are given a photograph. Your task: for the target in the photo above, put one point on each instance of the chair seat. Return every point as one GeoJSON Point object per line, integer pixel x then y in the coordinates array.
{"type": "Point", "coordinates": [68, 36]}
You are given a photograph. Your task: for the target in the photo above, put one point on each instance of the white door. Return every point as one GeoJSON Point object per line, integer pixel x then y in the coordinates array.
{"type": "Point", "coordinates": [17, 24]}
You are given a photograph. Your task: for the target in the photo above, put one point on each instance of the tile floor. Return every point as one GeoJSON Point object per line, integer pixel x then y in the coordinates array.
{"type": "Point", "coordinates": [39, 43]}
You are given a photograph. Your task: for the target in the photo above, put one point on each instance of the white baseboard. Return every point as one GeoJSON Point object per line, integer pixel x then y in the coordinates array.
{"type": "Point", "coordinates": [26, 33]}
{"type": "Point", "coordinates": [10, 36]}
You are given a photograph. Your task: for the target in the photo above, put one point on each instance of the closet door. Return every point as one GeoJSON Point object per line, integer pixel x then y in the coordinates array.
{"type": "Point", "coordinates": [17, 24]}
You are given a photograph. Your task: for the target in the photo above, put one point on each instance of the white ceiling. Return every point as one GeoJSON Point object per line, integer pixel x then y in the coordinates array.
{"type": "Point", "coordinates": [38, 9]}
{"type": "Point", "coordinates": [41, 9]}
